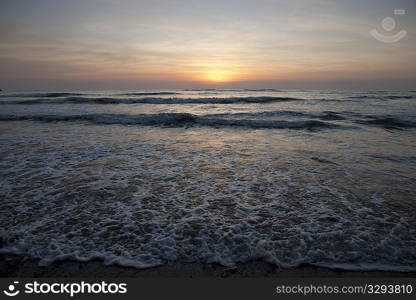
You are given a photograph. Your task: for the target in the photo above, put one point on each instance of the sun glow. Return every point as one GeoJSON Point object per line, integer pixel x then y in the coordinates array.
{"type": "Point", "coordinates": [217, 76]}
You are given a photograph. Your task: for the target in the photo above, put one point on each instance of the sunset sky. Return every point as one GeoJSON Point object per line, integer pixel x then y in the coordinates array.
{"type": "Point", "coordinates": [111, 44]}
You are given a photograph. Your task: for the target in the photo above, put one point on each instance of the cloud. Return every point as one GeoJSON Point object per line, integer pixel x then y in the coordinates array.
{"type": "Point", "coordinates": [180, 41]}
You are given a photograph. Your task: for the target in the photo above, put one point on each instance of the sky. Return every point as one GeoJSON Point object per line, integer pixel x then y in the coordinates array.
{"type": "Point", "coordinates": [123, 44]}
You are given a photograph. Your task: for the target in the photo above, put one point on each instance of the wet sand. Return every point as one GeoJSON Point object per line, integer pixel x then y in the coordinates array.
{"type": "Point", "coordinates": [20, 266]}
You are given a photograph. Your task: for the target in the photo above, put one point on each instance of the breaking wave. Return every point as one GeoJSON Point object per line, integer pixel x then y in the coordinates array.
{"type": "Point", "coordinates": [175, 120]}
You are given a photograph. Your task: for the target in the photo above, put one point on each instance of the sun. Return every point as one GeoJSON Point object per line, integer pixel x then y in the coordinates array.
{"type": "Point", "coordinates": [216, 76]}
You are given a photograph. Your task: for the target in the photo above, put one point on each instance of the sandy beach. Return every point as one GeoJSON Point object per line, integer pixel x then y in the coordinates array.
{"type": "Point", "coordinates": [21, 266]}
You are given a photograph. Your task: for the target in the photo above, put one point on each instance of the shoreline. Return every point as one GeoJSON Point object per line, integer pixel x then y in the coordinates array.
{"type": "Point", "coordinates": [23, 266]}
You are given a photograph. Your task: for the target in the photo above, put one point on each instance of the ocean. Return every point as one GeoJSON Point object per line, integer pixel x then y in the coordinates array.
{"type": "Point", "coordinates": [146, 177]}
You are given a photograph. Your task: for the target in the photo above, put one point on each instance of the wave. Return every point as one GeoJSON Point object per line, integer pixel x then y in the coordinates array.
{"type": "Point", "coordinates": [376, 92]}
{"type": "Point", "coordinates": [326, 115]}
{"type": "Point", "coordinates": [123, 261]}
{"type": "Point", "coordinates": [155, 100]}
{"type": "Point", "coordinates": [388, 97]}
{"type": "Point", "coordinates": [331, 115]}
{"type": "Point", "coordinates": [212, 100]}
{"type": "Point", "coordinates": [41, 95]}
{"type": "Point", "coordinates": [264, 114]}
{"type": "Point", "coordinates": [394, 97]}
{"type": "Point", "coordinates": [248, 120]}
{"type": "Point", "coordinates": [359, 97]}
{"type": "Point", "coordinates": [388, 122]}
{"type": "Point", "coordinates": [175, 120]}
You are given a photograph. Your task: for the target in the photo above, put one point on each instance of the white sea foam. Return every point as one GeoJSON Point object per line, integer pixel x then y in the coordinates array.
{"type": "Point", "coordinates": [147, 196]}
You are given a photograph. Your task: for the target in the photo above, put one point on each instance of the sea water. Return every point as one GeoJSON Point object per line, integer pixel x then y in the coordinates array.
{"type": "Point", "coordinates": [147, 177]}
